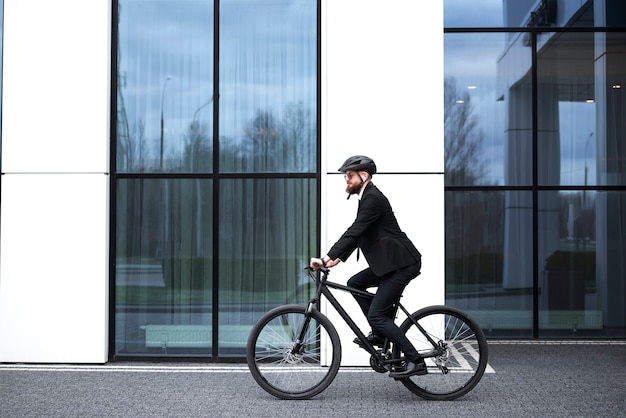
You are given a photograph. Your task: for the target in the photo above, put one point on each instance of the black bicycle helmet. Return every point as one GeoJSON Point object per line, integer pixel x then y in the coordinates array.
{"type": "Point", "coordinates": [359, 163]}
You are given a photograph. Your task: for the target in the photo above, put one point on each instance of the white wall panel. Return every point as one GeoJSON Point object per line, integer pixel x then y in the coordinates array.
{"type": "Point", "coordinates": [56, 86]}
{"type": "Point", "coordinates": [55, 143]}
{"type": "Point", "coordinates": [382, 82]}
{"type": "Point", "coordinates": [53, 275]}
{"type": "Point", "coordinates": [382, 96]}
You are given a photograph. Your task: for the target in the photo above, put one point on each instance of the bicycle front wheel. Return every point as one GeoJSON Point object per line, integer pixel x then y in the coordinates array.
{"type": "Point", "coordinates": [291, 369]}
{"type": "Point", "coordinates": [461, 352]}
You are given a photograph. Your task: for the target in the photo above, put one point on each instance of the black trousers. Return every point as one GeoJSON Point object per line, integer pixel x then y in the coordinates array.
{"type": "Point", "coordinates": [379, 310]}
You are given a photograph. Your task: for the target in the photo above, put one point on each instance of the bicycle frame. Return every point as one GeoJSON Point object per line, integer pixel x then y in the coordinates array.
{"type": "Point", "coordinates": [323, 286]}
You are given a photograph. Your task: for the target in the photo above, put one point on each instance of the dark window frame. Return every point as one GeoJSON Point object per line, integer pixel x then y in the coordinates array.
{"type": "Point", "coordinates": [215, 175]}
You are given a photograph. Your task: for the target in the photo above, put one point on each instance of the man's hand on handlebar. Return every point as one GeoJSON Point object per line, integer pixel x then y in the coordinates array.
{"type": "Point", "coordinates": [318, 263]}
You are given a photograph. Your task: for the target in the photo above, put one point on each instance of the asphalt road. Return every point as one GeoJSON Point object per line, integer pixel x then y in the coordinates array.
{"type": "Point", "coordinates": [529, 379]}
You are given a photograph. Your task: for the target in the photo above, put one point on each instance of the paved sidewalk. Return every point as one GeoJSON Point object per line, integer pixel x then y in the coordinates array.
{"type": "Point", "coordinates": [531, 379]}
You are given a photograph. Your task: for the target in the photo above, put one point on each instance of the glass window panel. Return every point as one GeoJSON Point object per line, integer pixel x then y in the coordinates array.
{"type": "Point", "coordinates": [566, 109]}
{"type": "Point", "coordinates": [489, 259]}
{"type": "Point", "coordinates": [163, 267]}
{"type": "Point", "coordinates": [488, 123]}
{"type": "Point", "coordinates": [581, 268]}
{"type": "Point", "coordinates": [165, 86]}
{"type": "Point", "coordinates": [267, 235]}
{"type": "Point", "coordinates": [581, 110]}
{"type": "Point", "coordinates": [268, 86]}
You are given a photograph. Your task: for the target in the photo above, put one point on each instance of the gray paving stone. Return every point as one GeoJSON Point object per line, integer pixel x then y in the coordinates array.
{"type": "Point", "coordinates": [530, 380]}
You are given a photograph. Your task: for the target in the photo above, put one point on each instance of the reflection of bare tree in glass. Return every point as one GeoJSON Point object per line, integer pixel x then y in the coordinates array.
{"type": "Point", "coordinates": [130, 142]}
{"type": "Point", "coordinates": [123, 143]}
{"type": "Point", "coordinates": [296, 126]}
{"type": "Point", "coordinates": [197, 154]}
{"type": "Point", "coordinates": [474, 225]}
{"type": "Point", "coordinates": [134, 149]}
{"type": "Point", "coordinates": [279, 145]}
{"type": "Point", "coordinates": [123, 140]}
{"type": "Point", "coordinates": [463, 139]}
{"type": "Point", "coordinates": [263, 136]}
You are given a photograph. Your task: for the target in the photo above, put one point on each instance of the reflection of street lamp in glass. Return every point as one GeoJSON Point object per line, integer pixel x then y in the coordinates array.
{"type": "Point", "coordinates": [195, 131]}
{"type": "Point", "coordinates": [195, 114]}
{"type": "Point", "coordinates": [162, 128]}
{"type": "Point", "coordinates": [195, 137]}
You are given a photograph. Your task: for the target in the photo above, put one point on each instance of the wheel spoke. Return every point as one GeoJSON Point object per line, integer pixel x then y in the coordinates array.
{"type": "Point", "coordinates": [281, 371]}
{"type": "Point", "coordinates": [458, 364]}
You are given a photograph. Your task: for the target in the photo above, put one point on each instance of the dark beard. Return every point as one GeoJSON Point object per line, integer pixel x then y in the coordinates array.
{"type": "Point", "coordinates": [353, 189]}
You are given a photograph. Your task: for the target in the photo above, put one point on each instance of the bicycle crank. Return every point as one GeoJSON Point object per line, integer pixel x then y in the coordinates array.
{"type": "Point", "coordinates": [377, 365]}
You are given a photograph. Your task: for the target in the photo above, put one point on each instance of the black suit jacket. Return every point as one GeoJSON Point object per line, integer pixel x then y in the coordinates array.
{"type": "Point", "coordinates": [377, 233]}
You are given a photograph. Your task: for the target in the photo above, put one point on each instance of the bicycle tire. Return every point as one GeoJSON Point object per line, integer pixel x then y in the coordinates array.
{"type": "Point", "coordinates": [288, 375]}
{"type": "Point", "coordinates": [460, 366]}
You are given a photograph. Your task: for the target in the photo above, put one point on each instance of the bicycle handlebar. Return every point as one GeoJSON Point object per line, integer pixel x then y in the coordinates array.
{"type": "Point", "coordinates": [319, 267]}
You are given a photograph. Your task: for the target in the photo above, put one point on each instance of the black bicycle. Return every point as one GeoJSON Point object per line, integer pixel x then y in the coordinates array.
{"type": "Point", "coordinates": [294, 351]}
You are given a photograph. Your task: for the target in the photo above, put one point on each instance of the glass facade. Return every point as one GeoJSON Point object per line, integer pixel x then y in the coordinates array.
{"type": "Point", "coordinates": [536, 166]}
{"type": "Point", "coordinates": [216, 175]}
{"type": "Point", "coordinates": [216, 179]}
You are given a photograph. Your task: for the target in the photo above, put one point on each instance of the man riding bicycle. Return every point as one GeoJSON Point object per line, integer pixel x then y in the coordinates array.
{"type": "Point", "coordinates": [393, 260]}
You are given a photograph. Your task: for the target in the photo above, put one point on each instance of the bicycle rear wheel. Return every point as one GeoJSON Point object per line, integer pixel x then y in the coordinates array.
{"type": "Point", "coordinates": [289, 373]}
{"type": "Point", "coordinates": [461, 359]}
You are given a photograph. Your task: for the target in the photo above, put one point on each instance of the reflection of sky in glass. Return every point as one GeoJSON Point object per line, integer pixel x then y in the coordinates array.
{"type": "Point", "coordinates": [471, 59]}
{"type": "Point", "coordinates": [267, 60]}
{"type": "Point", "coordinates": [578, 143]}
{"type": "Point", "coordinates": [484, 67]}
{"type": "Point", "coordinates": [160, 40]}
{"type": "Point", "coordinates": [474, 13]}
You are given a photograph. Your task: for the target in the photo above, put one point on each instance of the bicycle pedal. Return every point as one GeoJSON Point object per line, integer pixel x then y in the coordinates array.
{"type": "Point", "coordinates": [395, 369]}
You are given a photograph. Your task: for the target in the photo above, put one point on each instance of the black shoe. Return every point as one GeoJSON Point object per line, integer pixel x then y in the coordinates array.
{"type": "Point", "coordinates": [374, 339]}
{"type": "Point", "coordinates": [411, 369]}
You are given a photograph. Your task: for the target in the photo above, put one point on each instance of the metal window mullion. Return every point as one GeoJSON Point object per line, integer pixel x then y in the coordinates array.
{"type": "Point", "coordinates": [535, 182]}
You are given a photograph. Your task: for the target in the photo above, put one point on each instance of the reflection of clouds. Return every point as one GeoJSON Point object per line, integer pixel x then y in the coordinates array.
{"type": "Point", "coordinates": [267, 60]}
{"type": "Point", "coordinates": [473, 54]}
{"type": "Point", "coordinates": [164, 39]}
{"type": "Point", "coordinates": [471, 59]}
{"type": "Point", "coordinates": [474, 13]}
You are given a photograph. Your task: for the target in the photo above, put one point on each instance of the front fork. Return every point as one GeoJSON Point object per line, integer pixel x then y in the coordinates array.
{"type": "Point", "coordinates": [298, 347]}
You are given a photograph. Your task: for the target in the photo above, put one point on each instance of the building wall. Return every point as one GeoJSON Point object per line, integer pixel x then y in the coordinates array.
{"type": "Point", "coordinates": [55, 143]}
{"type": "Point", "coordinates": [378, 98]}
{"type": "Point", "coordinates": [376, 69]}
